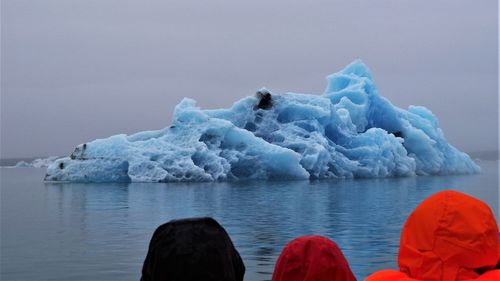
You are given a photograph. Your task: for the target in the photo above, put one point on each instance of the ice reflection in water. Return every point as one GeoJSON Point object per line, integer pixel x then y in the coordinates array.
{"type": "Point", "coordinates": [77, 231]}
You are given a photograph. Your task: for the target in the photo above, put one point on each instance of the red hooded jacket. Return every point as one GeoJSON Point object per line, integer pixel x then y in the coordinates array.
{"type": "Point", "coordinates": [449, 236]}
{"type": "Point", "coordinates": [312, 258]}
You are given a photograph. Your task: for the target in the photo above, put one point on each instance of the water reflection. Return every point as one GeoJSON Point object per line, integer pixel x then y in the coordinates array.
{"type": "Point", "coordinates": [101, 231]}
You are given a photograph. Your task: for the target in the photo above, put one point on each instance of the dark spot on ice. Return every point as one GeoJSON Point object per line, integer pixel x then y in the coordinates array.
{"type": "Point", "coordinates": [210, 140]}
{"type": "Point", "coordinates": [398, 134]}
{"type": "Point", "coordinates": [61, 165]}
{"type": "Point", "coordinates": [84, 146]}
{"type": "Point", "coordinates": [250, 127]}
{"type": "Point", "coordinates": [265, 101]}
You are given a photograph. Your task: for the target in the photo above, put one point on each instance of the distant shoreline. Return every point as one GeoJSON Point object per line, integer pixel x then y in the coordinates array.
{"type": "Point", "coordinates": [9, 162]}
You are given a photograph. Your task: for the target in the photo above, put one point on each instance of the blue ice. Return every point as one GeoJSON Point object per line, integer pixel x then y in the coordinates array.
{"type": "Point", "coordinates": [348, 132]}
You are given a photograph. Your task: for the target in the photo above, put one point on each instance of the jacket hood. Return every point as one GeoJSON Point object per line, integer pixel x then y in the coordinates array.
{"type": "Point", "coordinates": [312, 258]}
{"type": "Point", "coordinates": [449, 236]}
{"type": "Point", "coordinates": [197, 249]}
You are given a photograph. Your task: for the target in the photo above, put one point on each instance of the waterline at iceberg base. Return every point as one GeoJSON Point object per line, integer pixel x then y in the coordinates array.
{"type": "Point", "coordinates": [348, 132]}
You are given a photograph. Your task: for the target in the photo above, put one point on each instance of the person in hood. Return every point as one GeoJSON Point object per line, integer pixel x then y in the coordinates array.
{"type": "Point", "coordinates": [312, 258]}
{"type": "Point", "coordinates": [196, 249]}
{"type": "Point", "coordinates": [449, 236]}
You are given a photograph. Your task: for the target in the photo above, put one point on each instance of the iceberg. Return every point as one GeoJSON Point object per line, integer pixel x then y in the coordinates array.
{"type": "Point", "coordinates": [37, 163]}
{"type": "Point", "coordinates": [348, 132]}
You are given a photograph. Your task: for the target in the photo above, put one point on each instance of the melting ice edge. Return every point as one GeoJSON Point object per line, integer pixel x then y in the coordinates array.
{"type": "Point", "coordinates": [348, 132]}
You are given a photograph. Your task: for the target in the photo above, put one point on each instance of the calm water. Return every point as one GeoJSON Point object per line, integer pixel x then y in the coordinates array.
{"type": "Point", "coordinates": [101, 231]}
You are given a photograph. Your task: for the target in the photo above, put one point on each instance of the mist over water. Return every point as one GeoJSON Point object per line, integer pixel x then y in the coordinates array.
{"type": "Point", "coordinates": [74, 71]}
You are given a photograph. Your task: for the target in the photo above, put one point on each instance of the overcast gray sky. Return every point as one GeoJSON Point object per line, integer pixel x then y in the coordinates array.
{"type": "Point", "coordinates": [73, 71]}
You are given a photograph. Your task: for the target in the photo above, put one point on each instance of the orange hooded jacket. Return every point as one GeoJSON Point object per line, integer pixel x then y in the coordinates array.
{"type": "Point", "coordinates": [312, 258]}
{"type": "Point", "coordinates": [449, 236]}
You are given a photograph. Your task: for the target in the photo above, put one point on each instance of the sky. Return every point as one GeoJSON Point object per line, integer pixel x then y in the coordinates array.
{"type": "Point", "coordinates": [73, 71]}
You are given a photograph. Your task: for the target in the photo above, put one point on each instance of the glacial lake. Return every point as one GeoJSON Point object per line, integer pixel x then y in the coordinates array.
{"type": "Point", "coordinates": [70, 231]}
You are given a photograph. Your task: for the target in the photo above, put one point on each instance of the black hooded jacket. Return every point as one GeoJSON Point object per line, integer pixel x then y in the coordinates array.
{"type": "Point", "coordinates": [197, 249]}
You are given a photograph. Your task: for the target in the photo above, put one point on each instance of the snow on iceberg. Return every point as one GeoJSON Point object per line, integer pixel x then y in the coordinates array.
{"type": "Point", "coordinates": [348, 132]}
